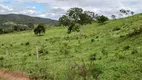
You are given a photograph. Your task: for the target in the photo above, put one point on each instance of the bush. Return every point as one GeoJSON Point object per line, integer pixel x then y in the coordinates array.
{"type": "Point", "coordinates": [1, 58]}
{"type": "Point", "coordinates": [136, 31]}
{"type": "Point", "coordinates": [40, 29]}
{"type": "Point", "coordinates": [43, 51]}
{"type": "Point", "coordinates": [65, 49]}
{"type": "Point", "coordinates": [93, 57]}
{"type": "Point", "coordinates": [84, 71]}
{"type": "Point", "coordinates": [97, 36]}
{"type": "Point", "coordinates": [121, 56]}
{"type": "Point", "coordinates": [104, 52]}
{"type": "Point", "coordinates": [92, 40]}
{"type": "Point", "coordinates": [27, 43]}
{"type": "Point", "coordinates": [2, 44]}
{"type": "Point", "coordinates": [40, 73]}
{"type": "Point", "coordinates": [22, 44]}
{"type": "Point", "coordinates": [10, 44]}
{"type": "Point", "coordinates": [102, 19]}
{"type": "Point", "coordinates": [134, 51]}
{"type": "Point", "coordinates": [116, 29]}
{"type": "Point", "coordinates": [126, 47]}
{"type": "Point", "coordinates": [73, 27]}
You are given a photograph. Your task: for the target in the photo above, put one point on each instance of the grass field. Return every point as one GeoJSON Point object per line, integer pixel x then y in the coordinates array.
{"type": "Point", "coordinates": [115, 49]}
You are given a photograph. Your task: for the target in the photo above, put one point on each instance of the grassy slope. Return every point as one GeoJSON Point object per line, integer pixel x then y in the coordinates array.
{"type": "Point", "coordinates": [112, 53]}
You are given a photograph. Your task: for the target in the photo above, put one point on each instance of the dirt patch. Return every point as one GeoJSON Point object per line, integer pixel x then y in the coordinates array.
{"type": "Point", "coordinates": [12, 75]}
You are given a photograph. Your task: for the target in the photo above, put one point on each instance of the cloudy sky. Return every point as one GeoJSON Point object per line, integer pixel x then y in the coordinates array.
{"type": "Point", "coordinates": [55, 8]}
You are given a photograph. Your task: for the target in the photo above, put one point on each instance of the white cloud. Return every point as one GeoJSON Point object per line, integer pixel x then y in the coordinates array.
{"type": "Point", "coordinates": [56, 8]}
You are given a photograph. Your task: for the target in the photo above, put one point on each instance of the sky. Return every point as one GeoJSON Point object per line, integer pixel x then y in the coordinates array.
{"type": "Point", "coordinates": [56, 8]}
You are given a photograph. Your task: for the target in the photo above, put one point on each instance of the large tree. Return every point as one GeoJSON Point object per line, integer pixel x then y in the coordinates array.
{"type": "Point", "coordinates": [76, 16]}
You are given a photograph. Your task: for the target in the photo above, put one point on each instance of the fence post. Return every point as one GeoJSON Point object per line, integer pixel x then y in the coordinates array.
{"type": "Point", "coordinates": [37, 55]}
{"type": "Point", "coordinates": [7, 53]}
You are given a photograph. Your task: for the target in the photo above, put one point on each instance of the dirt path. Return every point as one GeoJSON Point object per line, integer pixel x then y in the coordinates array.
{"type": "Point", "coordinates": [8, 75]}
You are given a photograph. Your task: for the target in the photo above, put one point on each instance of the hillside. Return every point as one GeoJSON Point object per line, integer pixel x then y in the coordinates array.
{"type": "Point", "coordinates": [115, 48]}
{"type": "Point", "coordinates": [19, 18]}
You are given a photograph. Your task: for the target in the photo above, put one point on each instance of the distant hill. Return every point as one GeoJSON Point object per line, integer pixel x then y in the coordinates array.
{"type": "Point", "coordinates": [20, 18]}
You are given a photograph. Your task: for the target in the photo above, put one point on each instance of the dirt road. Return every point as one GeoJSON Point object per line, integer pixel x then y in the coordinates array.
{"type": "Point", "coordinates": [12, 75]}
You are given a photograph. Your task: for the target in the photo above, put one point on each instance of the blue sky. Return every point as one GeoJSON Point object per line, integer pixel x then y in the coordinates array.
{"type": "Point", "coordinates": [39, 7]}
{"type": "Point", "coordinates": [55, 8]}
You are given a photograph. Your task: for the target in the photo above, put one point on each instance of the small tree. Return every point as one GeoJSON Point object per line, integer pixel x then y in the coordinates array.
{"type": "Point", "coordinates": [102, 19]}
{"type": "Point", "coordinates": [113, 16]}
{"type": "Point", "coordinates": [126, 12]}
{"type": "Point", "coordinates": [40, 29]}
{"type": "Point", "coordinates": [132, 13]}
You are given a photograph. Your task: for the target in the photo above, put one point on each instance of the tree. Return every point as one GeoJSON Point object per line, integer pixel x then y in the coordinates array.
{"type": "Point", "coordinates": [113, 16]}
{"type": "Point", "coordinates": [40, 29]}
{"type": "Point", "coordinates": [123, 11]}
{"type": "Point", "coordinates": [126, 12]}
{"type": "Point", "coordinates": [132, 13]}
{"type": "Point", "coordinates": [64, 20]}
{"type": "Point", "coordinates": [76, 16]}
{"type": "Point", "coordinates": [102, 19]}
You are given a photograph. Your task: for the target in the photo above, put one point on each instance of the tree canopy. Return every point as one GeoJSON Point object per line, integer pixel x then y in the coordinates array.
{"type": "Point", "coordinates": [76, 16]}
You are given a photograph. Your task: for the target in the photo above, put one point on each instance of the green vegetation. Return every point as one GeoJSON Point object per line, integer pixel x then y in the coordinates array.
{"type": "Point", "coordinates": [39, 29]}
{"type": "Point", "coordinates": [111, 51]}
{"type": "Point", "coordinates": [102, 19]}
{"type": "Point", "coordinates": [24, 19]}
{"type": "Point", "coordinates": [17, 22]}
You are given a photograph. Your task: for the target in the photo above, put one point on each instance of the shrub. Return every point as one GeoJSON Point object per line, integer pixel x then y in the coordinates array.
{"type": "Point", "coordinates": [2, 44]}
{"type": "Point", "coordinates": [65, 49]}
{"type": "Point", "coordinates": [27, 43]}
{"type": "Point", "coordinates": [92, 40]}
{"type": "Point", "coordinates": [22, 44]}
{"type": "Point", "coordinates": [122, 36]}
{"type": "Point", "coordinates": [40, 73]}
{"type": "Point", "coordinates": [43, 51]}
{"type": "Point", "coordinates": [84, 71]}
{"type": "Point", "coordinates": [1, 58]}
{"type": "Point", "coordinates": [126, 47]}
{"type": "Point", "coordinates": [93, 56]}
{"type": "Point", "coordinates": [134, 51]}
{"type": "Point", "coordinates": [121, 56]}
{"type": "Point", "coordinates": [40, 29]}
{"type": "Point", "coordinates": [102, 19]}
{"type": "Point", "coordinates": [97, 36]}
{"type": "Point", "coordinates": [73, 27]}
{"type": "Point", "coordinates": [104, 52]}
{"type": "Point", "coordinates": [136, 31]}
{"type": "Point", "coordinates": [116, 28]}
{"type": "Point", "coordinates": [11, 44]}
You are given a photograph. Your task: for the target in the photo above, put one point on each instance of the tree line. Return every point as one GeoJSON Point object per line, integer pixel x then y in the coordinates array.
{"type": "Point", "coordinates": [9, 27]}
{"type": "Point", "coordinates": [73, 19]}
{"type": "Point", "coordinates": [76, 17]}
